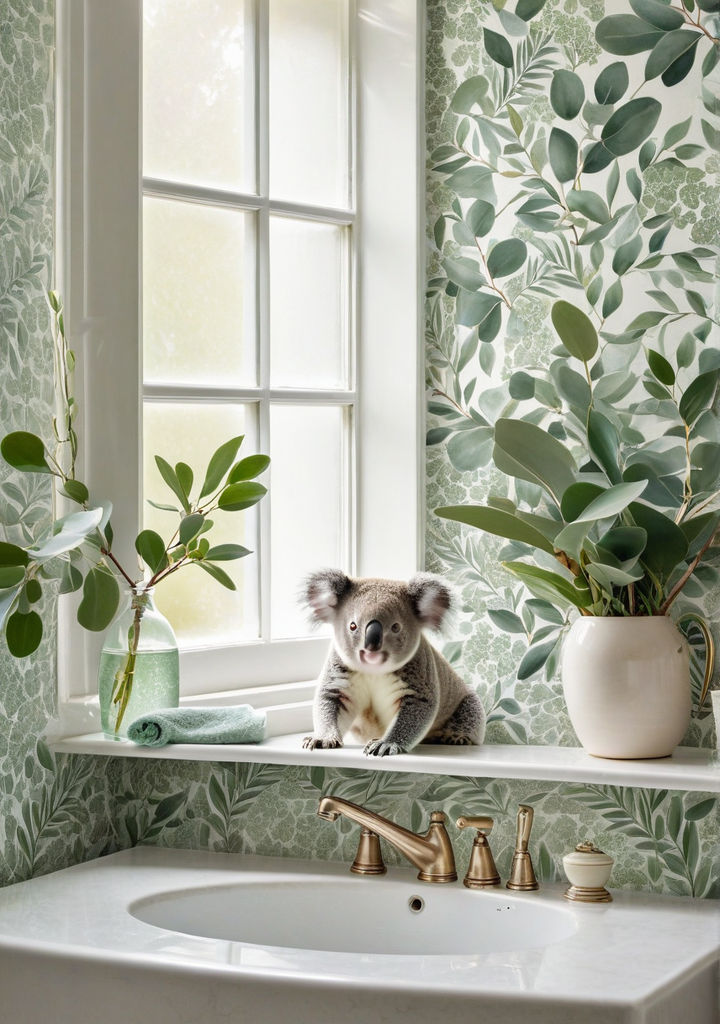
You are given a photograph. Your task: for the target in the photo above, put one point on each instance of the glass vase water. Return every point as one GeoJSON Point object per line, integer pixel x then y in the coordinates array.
{"type": "Point", "coordinates": [139, 665]}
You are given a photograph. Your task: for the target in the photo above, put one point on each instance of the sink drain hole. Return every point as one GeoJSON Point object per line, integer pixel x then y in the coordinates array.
{"type": "Point", "coordinates": [416, 904]}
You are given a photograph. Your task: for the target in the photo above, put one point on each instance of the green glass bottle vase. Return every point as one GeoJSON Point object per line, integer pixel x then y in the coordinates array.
{"type": "Point", "coordinates": [139, 665]}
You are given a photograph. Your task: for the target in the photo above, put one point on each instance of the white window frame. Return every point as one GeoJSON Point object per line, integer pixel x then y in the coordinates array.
{"type": "Point", "coordinates": [98, 243]}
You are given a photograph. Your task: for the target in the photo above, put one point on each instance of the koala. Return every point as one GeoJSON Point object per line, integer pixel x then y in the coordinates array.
{"type": "Point", "coordinates": [383, 681]}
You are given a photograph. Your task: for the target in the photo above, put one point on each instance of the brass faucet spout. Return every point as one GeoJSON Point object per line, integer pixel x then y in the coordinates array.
{"type": "Point", "coordinates": [431, 853]}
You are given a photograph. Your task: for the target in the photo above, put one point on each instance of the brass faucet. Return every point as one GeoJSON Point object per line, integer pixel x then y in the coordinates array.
{"type": "Point", "coordinates": [522, 873]}
{"type": "Point", "coordinates": [431, 853]}
{"type": "Point", "coordinates": [481, 870]}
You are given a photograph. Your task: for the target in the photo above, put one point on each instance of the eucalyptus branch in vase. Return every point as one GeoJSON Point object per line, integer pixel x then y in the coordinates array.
{"type": "Point", "coordinates": [76, 550]}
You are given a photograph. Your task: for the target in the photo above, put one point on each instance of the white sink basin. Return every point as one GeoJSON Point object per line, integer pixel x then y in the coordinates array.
{"type": "Point", "coordinates": [387, 916]}
{"type": "Point", "coordinates": [179, 937]}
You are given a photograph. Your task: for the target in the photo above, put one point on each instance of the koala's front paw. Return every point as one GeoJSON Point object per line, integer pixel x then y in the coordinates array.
{"type": "Point", "coordinates": [312, 743]}
{"type": "Point", "coordinates": [379, 748]}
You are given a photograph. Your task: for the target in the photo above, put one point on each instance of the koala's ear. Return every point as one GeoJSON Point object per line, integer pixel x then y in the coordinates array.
{"type": "Point", "coordinates": [431, 599]}
{"type": "Point", "coordinates": [323, 592]}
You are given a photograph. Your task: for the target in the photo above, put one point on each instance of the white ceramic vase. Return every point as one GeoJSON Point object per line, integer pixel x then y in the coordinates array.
{"type": "Point", "coordinates": [627, 685]}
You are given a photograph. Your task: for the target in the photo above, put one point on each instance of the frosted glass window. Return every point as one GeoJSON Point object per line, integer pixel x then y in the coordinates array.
{"type": "Point", "coordinates": [200, 609]}
{"type": "Point", "coordinates": [308, 304]}
{"type": "Point", "coordinates": [309, 101]}
{"type": "Point", "coordinates": [198, 293]}
{"type": "Point", "coordinates": [198, 95]}
{"type": "Point", "coordinates": [309, 505]}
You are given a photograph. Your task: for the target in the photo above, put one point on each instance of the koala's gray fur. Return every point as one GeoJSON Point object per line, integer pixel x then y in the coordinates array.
{"type": "Point", "coordinates": [383, 681]}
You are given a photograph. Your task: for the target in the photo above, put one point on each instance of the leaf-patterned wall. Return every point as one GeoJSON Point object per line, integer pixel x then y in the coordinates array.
{"type": "Point", "coordinates": [58, 811]}
{"type": "Point", "coordinates": [573, 153]}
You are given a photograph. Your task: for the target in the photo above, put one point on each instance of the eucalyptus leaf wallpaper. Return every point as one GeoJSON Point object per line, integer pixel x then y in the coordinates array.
{"type": "Point", "coordinates": [517, 95]}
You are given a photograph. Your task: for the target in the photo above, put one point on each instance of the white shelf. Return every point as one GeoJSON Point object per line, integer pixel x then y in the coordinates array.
{"type": "Point", "coordinates": [689, 768]}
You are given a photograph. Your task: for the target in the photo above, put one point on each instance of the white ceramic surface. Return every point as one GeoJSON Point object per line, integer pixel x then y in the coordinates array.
{"type": "Point", "coordinates": [71, 952]}
{"type": "Point", "coordinates": [627, 685]}
{"type": "Point", "coordinates": [272, 914]}
{"type": "Point", "coordinates": [689, 768]}
{"type": "Point", "coordinates": [715, 698]}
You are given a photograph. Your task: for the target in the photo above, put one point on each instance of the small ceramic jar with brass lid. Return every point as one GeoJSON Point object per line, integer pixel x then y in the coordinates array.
{"type": "Point", "coordinates": [587, 869]}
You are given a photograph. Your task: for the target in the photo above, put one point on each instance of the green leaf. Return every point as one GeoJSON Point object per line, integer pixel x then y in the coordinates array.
{"type": "Point", "coordinates": [527, 9]}
{"type": "Point", "coordinates": [660, 367]}
{"type": "Point", "coordinates": [521, 386]}
{"type": "Point", "coordinates": [624, 34]}
{"type": "Point", "coordinates": [470, 449]}
{"type": "Point", "coordinates": [190, 527]}
{"type": "Point", "coordinates": [577, 498]}
{"type": "Point", "coordinates": [33, 590]}
{"type": "Point", "coordinates": [506, 257]}
{"type": "Point", "coordinates": [76, 490]}
{"type": "Point", "coordinates": [71, 579]}
{"type": "Point", "coordinates": [666, 544]}
{"type": "Point", "coordinates": [507, 621]}
{"type": "Point", "coordinates": [669, 49]}
{"type": "Point", "coordinates": [604, 445]}
{"type": "Point", "coordinates": [163, 508]}
{"type": "Point", "coordinates": [239, 496]}
{"type": "Point", "coordinates": [630, 125]}
{"type": "Point", "coordinates": [474, 308]}
{"type": "Point", "coordinates": [698, 396]}
{"type": "Point", "coordinates": [217, 574]}
{"type": "Point", "coordinates": [525, 451]}
{"type": "Point", "coordinates": [24, 452]}
{"type": "Point", "coordinates": [563, 154]}
{"type": "Point", "coordinates": [613, 299]}
{"type": "Point", "coordinates": [480, 218]}
{"type": "Point", "coordinates": [469, 94]}
{"type": "Point", "coordinates": [497, 522]}
{"type": "Point", "coordinates": [624, 542]}
{"type": "Point", "coordinates": [626, 255]}
{"type": "Point", "coordinates": [101, 596]}
{"type": "Point", "coordinates": [151, 548]}
{"type": "Point", "coordinates": [219, 464]}
{"type": "Point", "coordinates": [658, 14]}
{"type": "Point", "coordinates": [11, 554]}
{"type": "Point", "coordinates": [534, 658]}
{"type": "Point", "coordinates": [170, 477]}
{"type": "Point", "coordinates": [516, 122]}
{"type": "Point", "coordinates": [589, 204]}
{"type": "Point", "coordinates": [549, 586]}
{"type": "Point", "coordinates": [567, 94]}
{"type": "Point", "coordinates": [226, 552]}
{"type": "Point", "coordinates": [611, 84]}
{"type": "Point", "coordinates": [11, 575]}
{"type": "Point", "coordinates": [464, 272]}
{"type": "Point", "coordinates": [70, 532]}
{"type": "Point", "coordinates": [701, 810]}
{"type": "Point", "coordinates": [185, 477]}
{"type": "Point", "coordinates": [23, 633]}
{"type": "Point", "coordinates": [498, 48]}
{"type": "Point", "coordinates": [575, 330]}
{"type": "Point", "coordinates": [612, 501]}
{"type": "Point", "coordinates": [545, 611]}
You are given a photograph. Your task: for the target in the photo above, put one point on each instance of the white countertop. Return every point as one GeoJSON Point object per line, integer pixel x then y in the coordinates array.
{"type": "Point", "coordinates": [689, 768]}
{"type": "Point", "coordinates": [623, 953]}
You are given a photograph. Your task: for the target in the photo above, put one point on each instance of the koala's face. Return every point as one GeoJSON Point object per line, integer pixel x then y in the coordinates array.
{"type": "Point", "coordinates": [377, 623]}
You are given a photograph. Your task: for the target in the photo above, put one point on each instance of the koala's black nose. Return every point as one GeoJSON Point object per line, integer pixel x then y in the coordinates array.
{"type": "Point", "coordinates": [373, 636]}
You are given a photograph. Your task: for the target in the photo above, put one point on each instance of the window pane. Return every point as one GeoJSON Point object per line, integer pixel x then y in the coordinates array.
{"type": "Point", "coordinates": [198, 92]}
{"type": "Point", "coordinates": [308, 304]}
{"type": "Point", "coordinates": [309, 101]}
{"type": "Point", "coordinates": [198, 294]}
{"type": "Point", "coordinates": [309, 505]}
{"type": "Point", "coordinates": [200, 609]}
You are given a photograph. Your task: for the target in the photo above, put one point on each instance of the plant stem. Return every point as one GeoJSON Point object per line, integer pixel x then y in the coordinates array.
{"type": "Point", "coordinates": [687, 574]}
{"type": "Point", "coordinates": [113, 559]}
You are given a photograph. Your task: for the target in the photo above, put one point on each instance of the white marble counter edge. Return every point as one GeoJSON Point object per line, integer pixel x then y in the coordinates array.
{"type": "Point", "coordinates": [689, 768]}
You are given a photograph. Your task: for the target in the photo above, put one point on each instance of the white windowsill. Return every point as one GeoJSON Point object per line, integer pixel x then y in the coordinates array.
{"type": "Point", "coordinates": [689, 768]}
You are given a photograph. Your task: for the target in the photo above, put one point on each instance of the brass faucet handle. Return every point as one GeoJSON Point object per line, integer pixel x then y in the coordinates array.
{"type": "Point", "coordinates": [481, 871]}
{"type": "Point", "coordinates": [482, 823]}
{"type": "Point", "coordinates": [522, 873]}
{"type": "Point", "coordinates": [368, 859]}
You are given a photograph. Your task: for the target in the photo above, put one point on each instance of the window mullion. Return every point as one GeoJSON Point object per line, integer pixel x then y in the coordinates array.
{"type": "Point", "coordinates": [262, 143]}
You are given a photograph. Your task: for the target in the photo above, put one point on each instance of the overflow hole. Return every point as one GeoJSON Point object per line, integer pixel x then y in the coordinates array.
{"type": "Point", "coordinates": [416, 904]}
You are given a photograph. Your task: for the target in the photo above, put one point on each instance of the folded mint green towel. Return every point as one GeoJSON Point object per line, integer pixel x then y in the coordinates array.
{"type": "Point", "coordinates": [241, 724]}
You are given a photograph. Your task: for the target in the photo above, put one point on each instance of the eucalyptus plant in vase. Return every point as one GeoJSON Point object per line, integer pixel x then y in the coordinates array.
{"type": "Point", "coordinates": [623, 524]}
{"type": "Point", "coordinates": [139, 667]}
